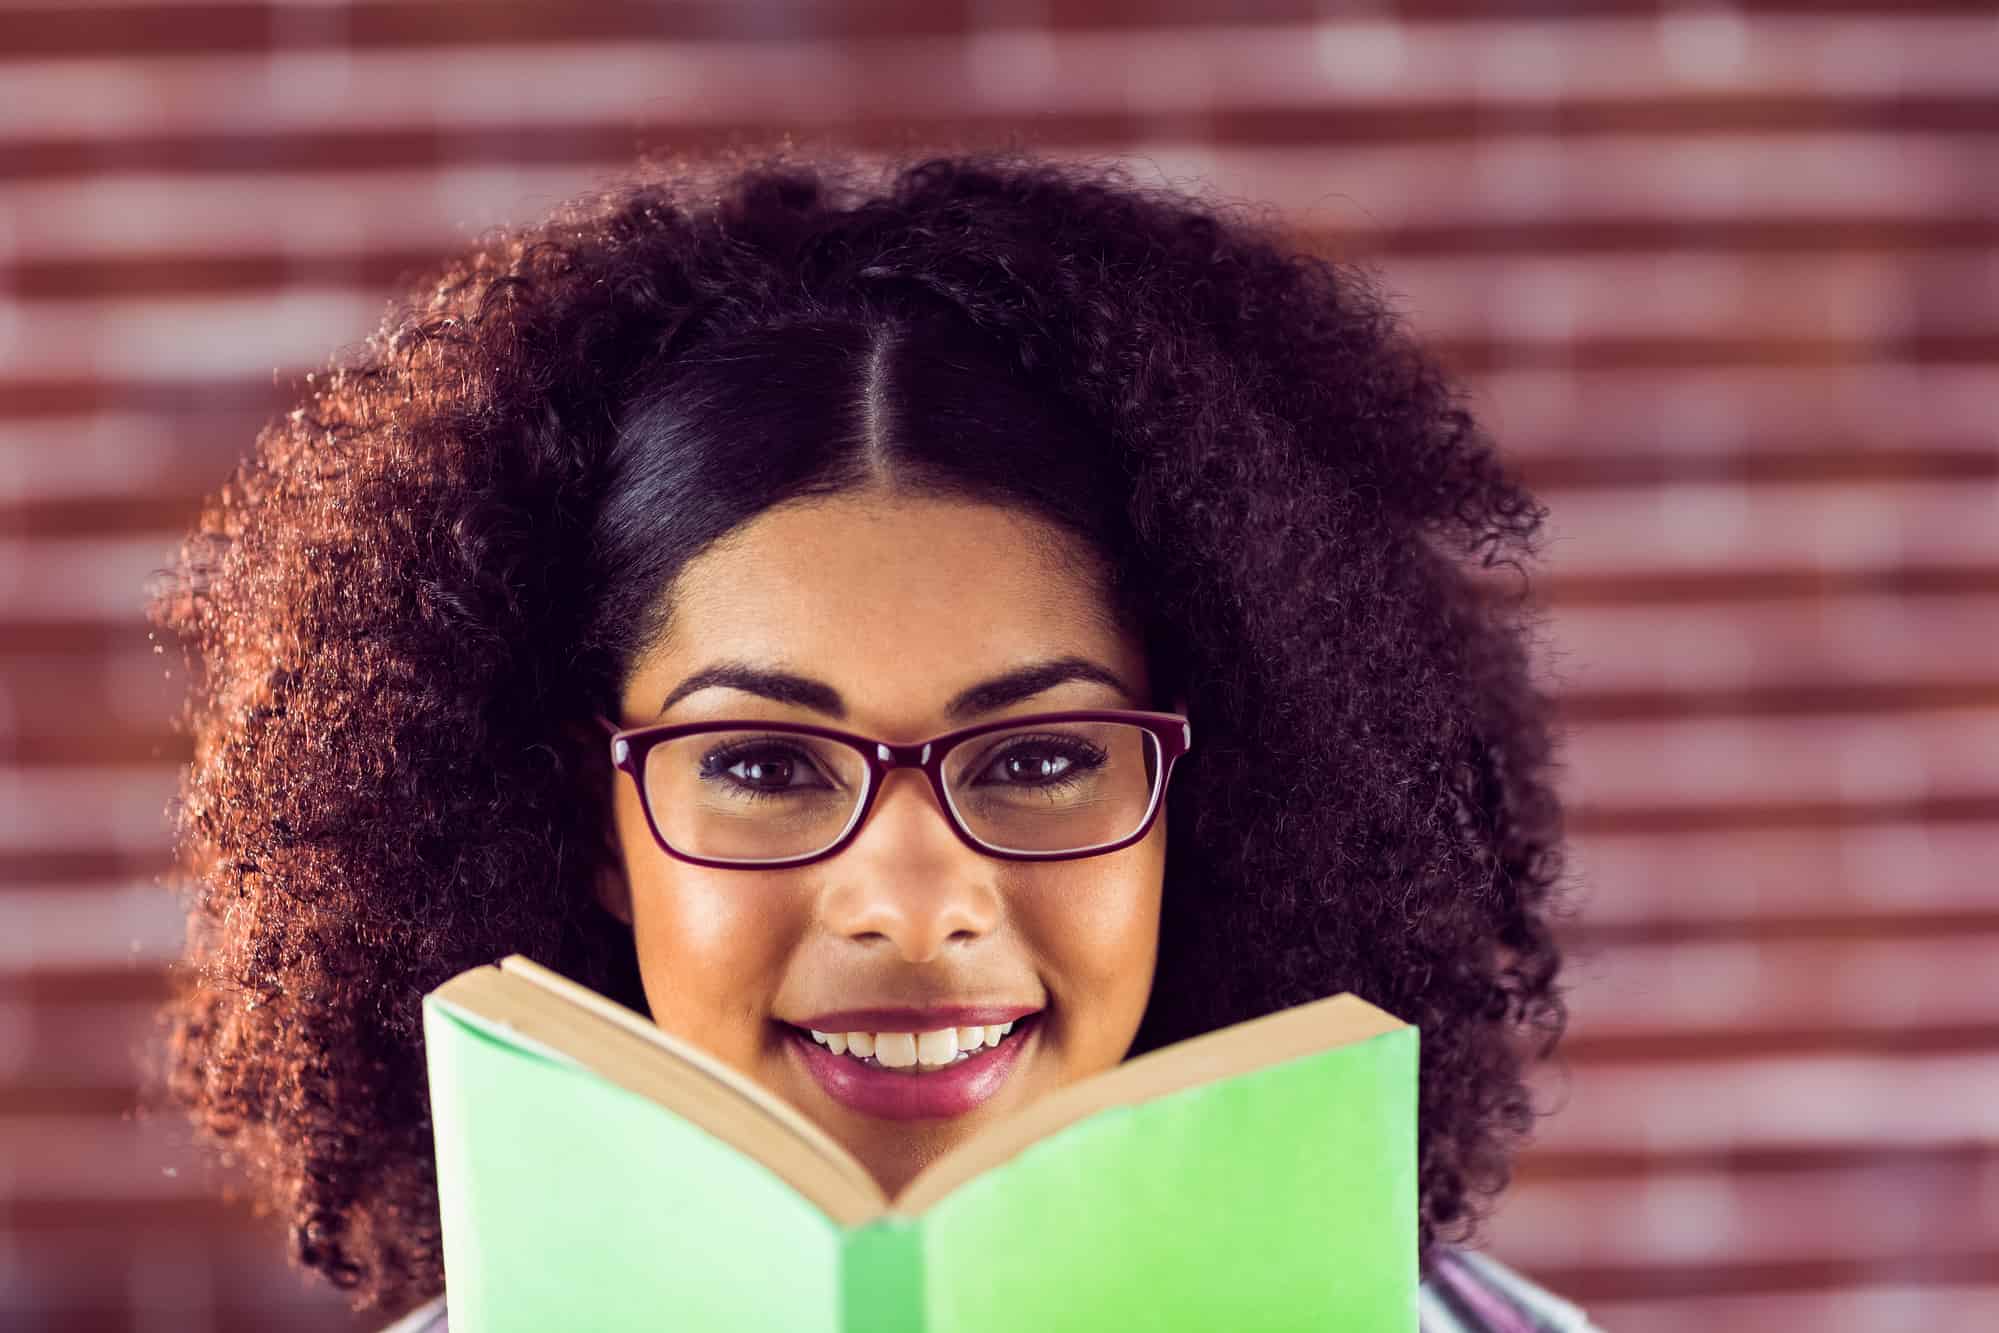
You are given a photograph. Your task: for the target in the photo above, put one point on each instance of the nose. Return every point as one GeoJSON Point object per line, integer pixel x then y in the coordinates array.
{"type": "Point", "coordinates": [906, 878]}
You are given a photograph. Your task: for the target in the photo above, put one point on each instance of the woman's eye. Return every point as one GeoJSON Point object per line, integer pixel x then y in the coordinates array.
{"type": "Point", "coordinates": [765, 769]}
{"type": "Point", "coordinates": [1028, 765]}
{"type": "Point", "coordinates": [773, 772]}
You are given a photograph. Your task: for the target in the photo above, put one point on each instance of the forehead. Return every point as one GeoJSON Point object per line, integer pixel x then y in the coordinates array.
{"type": "Point", "coordinates": [898, 602]}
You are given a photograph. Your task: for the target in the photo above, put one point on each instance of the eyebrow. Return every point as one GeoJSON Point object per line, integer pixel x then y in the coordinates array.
{"type": "Point", "coordinates": [985, 697]}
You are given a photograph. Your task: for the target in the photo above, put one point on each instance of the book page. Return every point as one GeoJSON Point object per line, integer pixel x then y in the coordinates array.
{"type": "Point", "coordinates": [605, 1007]}
{"type": "Point", "coordinates": [624, 1046]}
{"type": "Point", "coordinates": [639, 1056]}
{"type": "Point", "coordinates": [1256, 1043]}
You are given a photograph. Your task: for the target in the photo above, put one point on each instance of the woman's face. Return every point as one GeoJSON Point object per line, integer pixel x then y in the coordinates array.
{"type": "Point", "coordinates": [894, 606]}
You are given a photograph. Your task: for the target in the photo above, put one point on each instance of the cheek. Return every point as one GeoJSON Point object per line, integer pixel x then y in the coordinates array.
{"type": "Point", "coordinates": [1097, 929]}
{"type": "Point", "coordinates": [711, 946]}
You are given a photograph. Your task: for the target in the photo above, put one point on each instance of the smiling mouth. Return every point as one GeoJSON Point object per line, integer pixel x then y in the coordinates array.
{"type": "Point", "coordinates": [898, 1080]}
{"type": "Point", "coordinates": [916, 1054]}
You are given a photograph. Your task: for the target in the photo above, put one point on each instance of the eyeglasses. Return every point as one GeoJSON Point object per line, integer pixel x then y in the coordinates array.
{"type": "Point", "coordinates": [762, 795]}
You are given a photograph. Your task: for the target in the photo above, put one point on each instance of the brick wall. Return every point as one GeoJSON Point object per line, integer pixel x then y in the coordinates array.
{"type": "Point", "coordinates": [1722, 277]}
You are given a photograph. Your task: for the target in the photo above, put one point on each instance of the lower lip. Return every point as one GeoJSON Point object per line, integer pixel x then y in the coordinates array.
{"type": "Point", "coordinates": [894, 1094]}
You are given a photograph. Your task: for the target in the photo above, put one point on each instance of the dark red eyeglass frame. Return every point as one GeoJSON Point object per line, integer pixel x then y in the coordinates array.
{"type": "Point", "coordinates": [629, 747]}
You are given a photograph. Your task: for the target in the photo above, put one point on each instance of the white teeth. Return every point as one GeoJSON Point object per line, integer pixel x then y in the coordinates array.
{"type": "Point", "coordinates": [906, 1050]}
{"type": "Point", "coordinates": [937, 1048]}
{"type": "Point", "coordinates": [897, 1050]}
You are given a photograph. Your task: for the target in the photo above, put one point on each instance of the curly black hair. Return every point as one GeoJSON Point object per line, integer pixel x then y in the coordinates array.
{"type": "Point", "coordinates": [405, 604]}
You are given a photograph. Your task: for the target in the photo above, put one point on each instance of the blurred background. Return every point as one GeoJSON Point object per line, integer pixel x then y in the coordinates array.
{"type": "Point", "coordinates": [1723, 279]}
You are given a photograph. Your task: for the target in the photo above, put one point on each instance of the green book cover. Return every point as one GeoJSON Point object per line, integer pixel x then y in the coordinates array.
{"type": "Point", "coordinates": [597, 1172]}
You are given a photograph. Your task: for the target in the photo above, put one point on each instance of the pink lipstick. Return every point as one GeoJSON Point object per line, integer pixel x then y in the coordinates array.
{"type": "Point", "coordinates": [909, 1094]}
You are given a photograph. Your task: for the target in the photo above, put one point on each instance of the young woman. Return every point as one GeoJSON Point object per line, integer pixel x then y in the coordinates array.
{"type": "Point", "coordinates": [498, 633]}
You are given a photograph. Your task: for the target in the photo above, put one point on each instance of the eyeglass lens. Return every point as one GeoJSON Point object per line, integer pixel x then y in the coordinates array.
{"type": "Point", "coordinates": [753, 795]}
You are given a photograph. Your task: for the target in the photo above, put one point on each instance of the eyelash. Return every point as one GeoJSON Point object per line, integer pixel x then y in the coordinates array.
{"type": "Point", "coordinates": [716, 763]}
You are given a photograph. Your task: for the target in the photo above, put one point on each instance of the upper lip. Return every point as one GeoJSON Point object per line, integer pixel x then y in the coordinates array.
{"type": "Point", "coordinates": [914, 1020]}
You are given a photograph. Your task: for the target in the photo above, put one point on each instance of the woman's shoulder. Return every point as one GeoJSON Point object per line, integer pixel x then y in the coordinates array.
{"type": "Point", "coordinates": [1466, 1292]}
{"type": "Point", "coordinates": [426, 1318]}
{"type": "Point", "coordinates": [1469, 1292]}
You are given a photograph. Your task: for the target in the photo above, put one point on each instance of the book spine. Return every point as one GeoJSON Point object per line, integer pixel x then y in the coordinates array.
{"type": "Point", "coordinates": [881, 1278]}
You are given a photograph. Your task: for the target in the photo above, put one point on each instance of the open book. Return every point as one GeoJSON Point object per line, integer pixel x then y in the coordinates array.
{"type": "Point", "coordinates": [596, 1172]}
